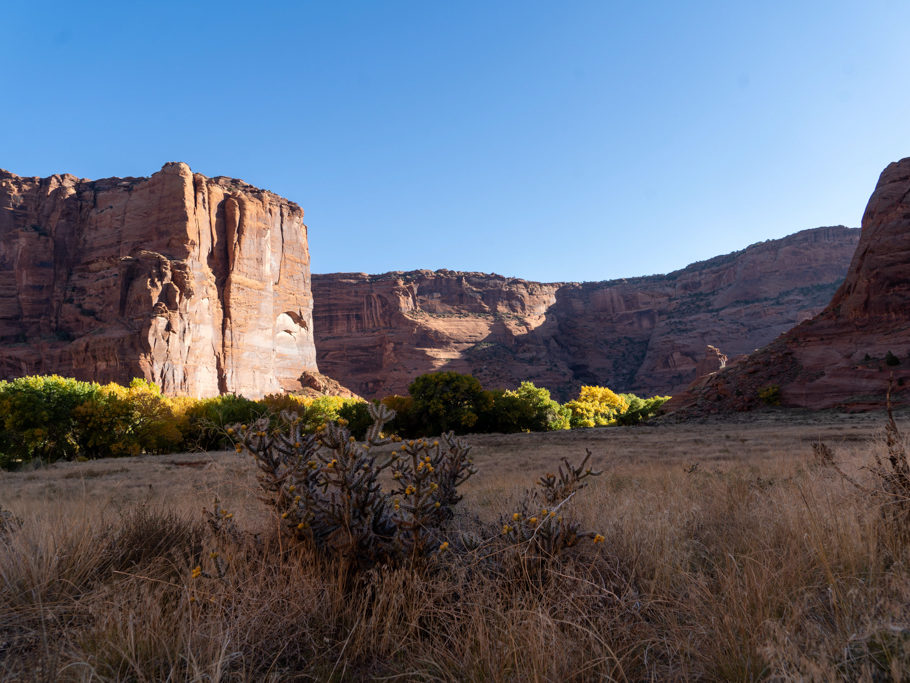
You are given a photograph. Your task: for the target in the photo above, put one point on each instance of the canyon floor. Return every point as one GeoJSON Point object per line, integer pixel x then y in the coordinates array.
{"type": "Point", "coordinates": [729, 553]}
{"type": "Point", "coordinates": [777, 439]}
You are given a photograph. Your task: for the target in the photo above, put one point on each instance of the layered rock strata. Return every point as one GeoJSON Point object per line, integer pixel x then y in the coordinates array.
{"type": "Point", "coordinates": [375, 333]}
{"type": "Point", "coordinates": [199, 284]}
{"type": "Point", "coordinates": [844, 356]}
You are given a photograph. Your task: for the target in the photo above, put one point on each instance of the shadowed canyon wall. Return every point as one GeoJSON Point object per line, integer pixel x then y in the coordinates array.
{"type": "Point", "coordinates": [199, 284]}
{"type": "Point", "coordinates": [844, 356]}
{"type": "Point", "coordinates": [375, 333]}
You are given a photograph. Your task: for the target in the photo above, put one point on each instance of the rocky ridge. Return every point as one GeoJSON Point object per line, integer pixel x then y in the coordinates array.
{"type": "Point", "coordinates": [375, 333]}
{"type": "Point", "coordinates": [199, 284]}
{"type": "Point", "coordinates": [845, 356]}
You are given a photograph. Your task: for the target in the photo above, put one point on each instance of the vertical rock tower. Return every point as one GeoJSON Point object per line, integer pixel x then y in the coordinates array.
{"type": "Point", "coordinates": [199, 284]}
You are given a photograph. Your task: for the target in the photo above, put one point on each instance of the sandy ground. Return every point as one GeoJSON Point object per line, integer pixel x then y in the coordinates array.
{"type": "Point", "coordinates": [506, 463]}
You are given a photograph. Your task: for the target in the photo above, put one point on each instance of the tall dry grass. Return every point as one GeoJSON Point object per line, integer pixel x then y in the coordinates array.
{"type": "Point", "coordinates": [787, 571]}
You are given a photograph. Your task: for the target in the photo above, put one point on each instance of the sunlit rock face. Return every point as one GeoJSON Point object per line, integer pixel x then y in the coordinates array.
{"type": "Point", "coordinates": [376, 333]}
{"type": "Point", "coordinates": [845, 356]}
{"type": "Point", "coordinates": [199, 284]}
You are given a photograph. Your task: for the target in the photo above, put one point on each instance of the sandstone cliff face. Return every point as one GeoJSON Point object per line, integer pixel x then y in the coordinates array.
{"type": "Point", "coordinates": [839, 358]}
{"type": "Point", "coordinates": [199, 284]}
{"type": "Point", "coordinates": [375, 333]}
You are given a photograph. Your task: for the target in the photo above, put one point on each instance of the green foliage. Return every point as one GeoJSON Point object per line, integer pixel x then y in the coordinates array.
{"type": "Point", "coordinates": [126, 421]}
{"type": "Point", "coordinates": [770, 395]}
{"type": "Point", "coordinates": [448, 401]}
{"type": "Point", "coordinates": [639, 409]}
{"type": "Point", "coordinates": [208, 418]}
{"type": "Point", "coordinates": [38, 418]}
{"type": "Point", "coordinates": [357, 416]}
{"type": "Point", "coordinates": [403, 423]}
{"type": "Point", "coordinates": [524, 409]}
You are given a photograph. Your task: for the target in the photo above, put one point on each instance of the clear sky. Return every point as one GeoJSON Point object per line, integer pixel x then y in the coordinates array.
{"type": "Point", "coordinates": [559, 140]}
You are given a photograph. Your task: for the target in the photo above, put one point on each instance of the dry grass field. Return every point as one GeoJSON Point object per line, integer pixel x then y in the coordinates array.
{"type": "Point", "coordinates": [731, 553]}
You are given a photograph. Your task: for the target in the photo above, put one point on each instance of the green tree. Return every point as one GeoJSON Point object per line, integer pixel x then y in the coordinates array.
{"type": "Point", "coordinates": [445, 401]}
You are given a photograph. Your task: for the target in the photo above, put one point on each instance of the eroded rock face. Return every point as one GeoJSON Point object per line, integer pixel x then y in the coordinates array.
{"type": "Point", "coordinates": [376, 333]}
{"type": "Point", "coordinates": [199, 284]}
{"type": "Point", "coordinates": [844, 356]}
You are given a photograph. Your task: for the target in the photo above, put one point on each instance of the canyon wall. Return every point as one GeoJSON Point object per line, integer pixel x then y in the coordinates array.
{"type": "Point", "coordinates": [199, 284]}
{"type": "Point", "coordinates": [845, 356]}
{"type": "Point", "coordinates": [375, 333]}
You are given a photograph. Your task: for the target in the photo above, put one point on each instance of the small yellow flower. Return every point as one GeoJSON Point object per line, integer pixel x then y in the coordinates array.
{"type": "Point", "coordinates": [296, 499]}
{"type": "Point", "coordinates": [598, 538]}
{"type": "Point", "coordinates": [301, 525]}
{"type": "Point", "coordinates": [197, 572]}
{"type": "Point", "coordinates": [430, 468]}
{"type": "Point", "coordinates": [229, 515]}
{"type": "Point", "coordinates": [409, 490]}
{"type": "Point", "coordinates": [434, 486]}
{"type": "Point", "coordinates": [342, 422]}
{"type": "Point", "coordinates": [292, 488]}
{"type": "Point", "coordinates": [436, 504]}
{"type": "Point", "coordinates": [260, 434]}
{"type": "Point", "coordinates": [243, 427]}
{"type": "Point", "coordinates": [296, 444]}
{"type": "Point", "coordinates": [506, 528]}
{"type": "Point", "coordinates": [552, 514]}
{"type": "Point", "coordinates": [284, 515]}
{"type": "Point", "coordinates": [397, 505]}
{"type": "Point", "coordinates": [230, 430]}
{"type": "Point", "coordinates": [420, 466]}
{"type": "Point", "coordinates": [352, 439]}
{"type": "Point", "coordinates": [213, 555]}
{"type": "Point", "coordinates": [532, 520]}
{"type": "Point", "coordinates": [435, 443]}
{"type": "Point", "coordinates": [543, 513]}
{"type": "Point", "coordinates": [411, 444]}
{"type": "Point", "coordinates": [394, 453]}
{"type": "Point", "coordinates": [239, 448]}
{"type": "Point", "coordinates": [426, 458]}
{"type": "Point", "coordinates": [516, 517]}
{"type": "Point", "coordinates": [444, 546]}
{"type": "Point", "coordinates": [192, 598]}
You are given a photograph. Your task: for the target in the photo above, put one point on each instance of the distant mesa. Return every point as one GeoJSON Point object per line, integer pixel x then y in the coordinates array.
{"type": "Point", "coordinates": [648, 335]}
{"type": "Point", "coordinates": [199, 284]}
{"type": "Point", "coordinates": [842, 357]}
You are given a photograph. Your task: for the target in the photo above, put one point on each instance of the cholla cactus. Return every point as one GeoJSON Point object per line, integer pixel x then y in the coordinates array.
{"type": "Point", "coordinates": [543, 525]}
{"type": "Point", "coordinates": [327, 486]}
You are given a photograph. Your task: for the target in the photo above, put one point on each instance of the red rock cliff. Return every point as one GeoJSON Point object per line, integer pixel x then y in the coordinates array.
{"type": "Point", "coordinates": [199, 284]}
{"type": "Point", "coordinates": [844, 356]}
{"type": "Point", "coordinates": [375, 333]}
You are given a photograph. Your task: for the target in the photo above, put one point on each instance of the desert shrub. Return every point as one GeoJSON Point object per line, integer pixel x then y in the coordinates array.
{"type": "Point", "coordinates": [770, 395]}
{"type": "Point", "coordinates": [327, 490]}
{"type": "Point", "coordinates": [37, 417]}
{"type": "Point", "coordinates": [447, 401]}
{"type": "Point", "coordinates": [120, 420]}
{"type": "Point", "coordinates": [544, 524]}
{"type": "Point", "coordinates": [639, 409]}
{"type": "Point", "coordinates": [208, 418]}
{"type": "Point", "coordinates": [527, 408]}
{"type": "Point", "coordinates": [595, 407]}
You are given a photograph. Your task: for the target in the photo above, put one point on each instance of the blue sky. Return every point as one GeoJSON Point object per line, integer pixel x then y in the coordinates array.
{"type": "Point", "coordinates": [548, 140]}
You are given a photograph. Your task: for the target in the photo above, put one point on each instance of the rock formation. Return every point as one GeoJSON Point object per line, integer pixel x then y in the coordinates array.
{"type": "Point", "coordinates": [375, 333]}
{"type": "Point", "coordinates": [844, 356]}
{"type": "Point", "coordinates": [199, 284]}
{"type": "Point", "coordinates": [713, 361]}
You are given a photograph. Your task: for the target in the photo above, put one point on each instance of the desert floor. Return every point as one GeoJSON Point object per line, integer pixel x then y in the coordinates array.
{"type": "Point", "coordinates": [755, 443]}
